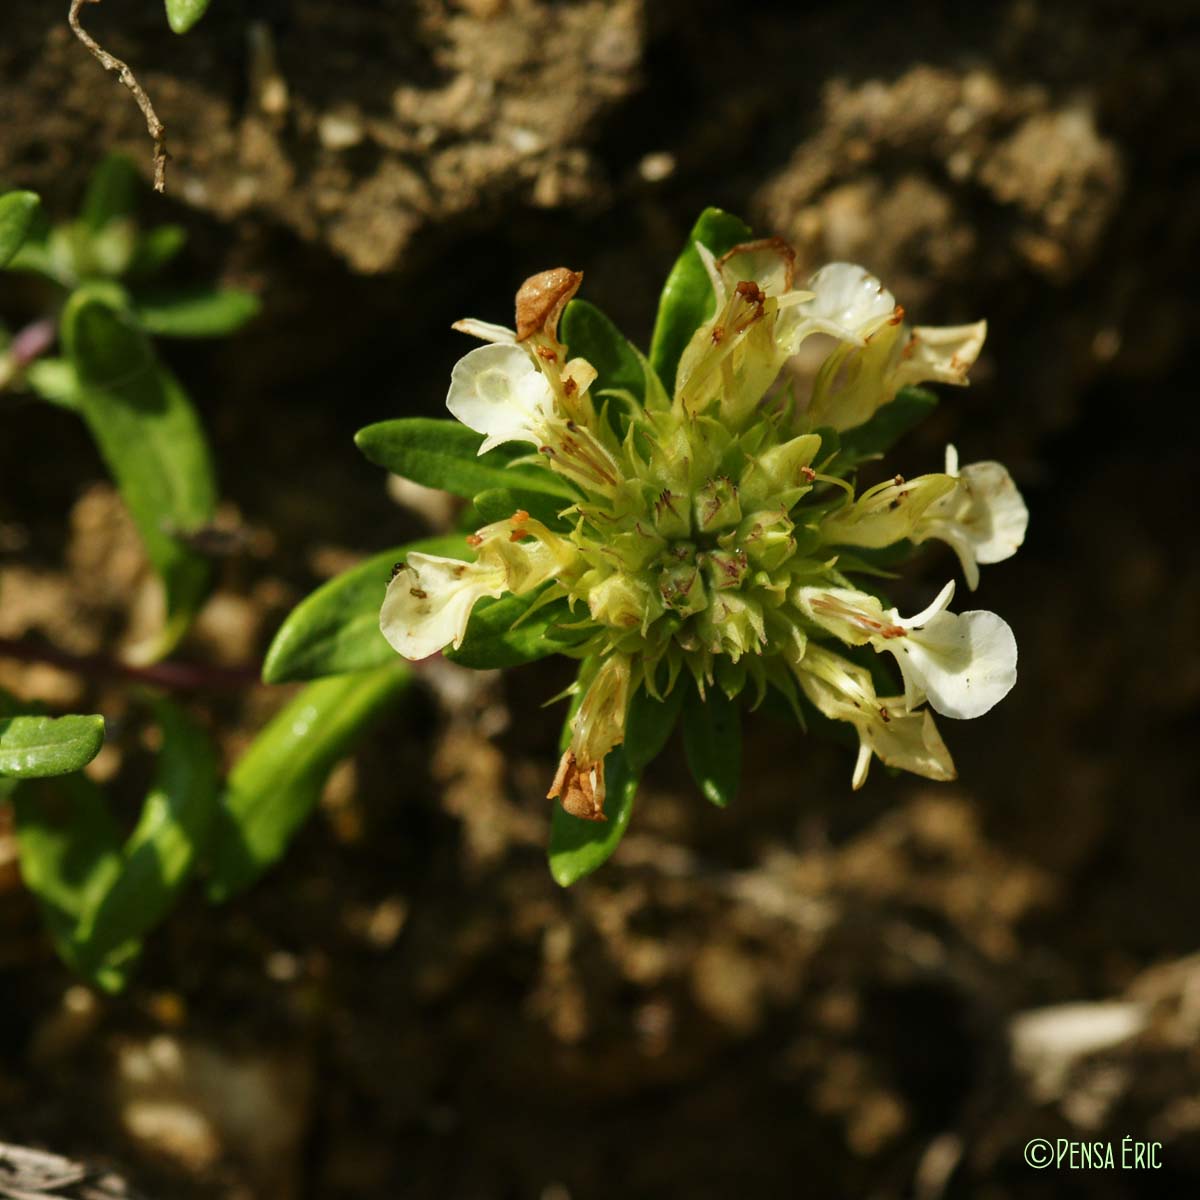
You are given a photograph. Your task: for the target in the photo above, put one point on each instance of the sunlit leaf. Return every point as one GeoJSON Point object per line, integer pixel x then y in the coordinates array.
{"type": "Point", "coordinates": [161, 852]}
{"type": "Point", "coordinates": [17, 213]}
{"type": "Point", "coordinates": [152, 441]}
{"type": "Point", "coordinates": [195, 312]}
{"type": "Point", "coordinates": [69, 849]}
{"type": "Point", "coordinates": [32, 747]}
{"type": "Point", "coordinates": [589, 334]}
{"type": "Point", "coordinates": [444, 454]}
{"type": "Point", "coordinates": [183, 14]}
{"type": "Point", "coordinates": [276, 784]}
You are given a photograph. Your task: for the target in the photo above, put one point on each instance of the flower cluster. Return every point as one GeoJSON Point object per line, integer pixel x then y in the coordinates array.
{"type": "Point", "coordinates": [714, 534]}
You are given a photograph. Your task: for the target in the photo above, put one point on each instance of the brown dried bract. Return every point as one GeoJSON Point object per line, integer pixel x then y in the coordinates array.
{"type": "Point", "coordinates": [542, 298]}
{"type": "Point", "coordinates": [580, 792]}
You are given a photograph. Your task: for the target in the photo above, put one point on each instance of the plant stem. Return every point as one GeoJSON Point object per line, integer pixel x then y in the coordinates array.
{"type": "Point", "coordinates": [172, 676]}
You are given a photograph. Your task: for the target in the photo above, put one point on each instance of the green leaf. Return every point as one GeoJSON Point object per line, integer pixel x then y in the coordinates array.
{"type": "Point", "coordinates": [183, 14]}
{"type": "Point", "coordinates": [155, 248]}
{"type": "Point", "coordinates": [491, 641]}
{"type": "Point", "coordinates": [712, 741]}
{"type": "Point", "coordinates": [69, 848]}
{"type": "Point", "coordinates": [112, 193]}
{"type": "Point", "coordinates": [279, 780]}
{"type": "Point", "coordinates": [444, 454]}
{"type": "Point", "coordinates": [589, 334]}
{"type": "Point", "coordinates": [53, 380]}
{"type": "Point", "coordinates": [648, 725]}
{"type": "Point", "coordinates": [498, 504]}
{"type": "Point", "coordinates": [687, 299]}
{"type": "Point", "coordinates": [195, 312]}
{"type": "Point", "coordinates": [889, 424]}
{"type": "Point", "coordinates": [170, 835]}
{"type": "Point", "coordinates": [152, 441]}
{"type": "Point", "coordinates": [33, 747]}
{"type": "Point", "coordinates": [335, 629]}
{"type": "Point", "coordinates": [578, 847]}
{"type": "Point", "coordinates": [17, 211]}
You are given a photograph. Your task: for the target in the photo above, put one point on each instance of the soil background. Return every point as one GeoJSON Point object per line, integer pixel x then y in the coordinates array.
{"type": "Point", "coordinates": [884, 993]}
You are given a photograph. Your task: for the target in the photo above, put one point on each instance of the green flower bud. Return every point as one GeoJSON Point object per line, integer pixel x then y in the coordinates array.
{"type": "Point", "coordinates": [716, 505]}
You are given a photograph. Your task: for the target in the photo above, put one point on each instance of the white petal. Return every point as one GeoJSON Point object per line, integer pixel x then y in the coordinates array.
{"type": "Point", "coordinates": [485, 331]}
{"type": "Point", "coordinates": [499, 392]}
{"type": "Point", "coordinates": [848, 302]}
{"type": "Point", "coordinates": [964, 664]}
{"type": "Point", "coordinates": [940, 603]}
{"type": "Point", "coordinates": [429, 602]}
{"type": "Point", "coordinates": [940, 352]}
{"type": "Point", "coordinates": [999, 516]}
{"type": "Point", "coordinates": [910, 742]}
{"type": "Point", "coordinates": [951, 460]}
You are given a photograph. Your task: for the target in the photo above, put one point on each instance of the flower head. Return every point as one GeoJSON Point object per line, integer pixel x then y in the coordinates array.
{"type": "Point", "coordinates": [713, 533]}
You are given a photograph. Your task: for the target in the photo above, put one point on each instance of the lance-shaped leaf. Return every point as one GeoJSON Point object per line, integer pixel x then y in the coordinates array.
{"type": "Point", "coordinates": [155, 248]}
{"type": "Point", "coordinates": [687, 298]}
{"type": "Point", "coordinates": [183, 14]}
{"type": "Point", "coordinates": [648, 725]}
{"type": "Point", "coordinates": [589, 334]}
{"type": "Point", "coordinates": [152, 441]}
{"type": "Point", "coordinates": [712, 741]}
{"type": "Point", "coordinates": [35, 747]}
{"type": "Point", "coordinates": [335, 630]}
{"type": "Point", "coordinates": [499, 633]}
{"type": "Point", "coordinates": [444, 454]}
{"type": "Point", "coordinates": [278, 781]}
{"type": "Point", "coordinates": [70, 853]}
{"type": "Point", "coordinates": [195, 312]}
{"type": "Point", "coordinates": [161, 852]}
{"type": "Point", "coordinates": [578, 847]}
{"type": "Point", "coordinates": [17, 212]}
{"type": "Point", "coordinates": [112, 193]}
{"type": "Point", "coordinates": [889, 424]}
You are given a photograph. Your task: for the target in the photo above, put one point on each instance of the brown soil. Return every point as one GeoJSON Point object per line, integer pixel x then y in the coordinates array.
{"type": "Point", "coordinates": [815, 990]}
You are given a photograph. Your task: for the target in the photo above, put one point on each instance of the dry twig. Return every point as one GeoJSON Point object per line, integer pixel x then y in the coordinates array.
{"type": "Point", "coordinates": [127, 77]}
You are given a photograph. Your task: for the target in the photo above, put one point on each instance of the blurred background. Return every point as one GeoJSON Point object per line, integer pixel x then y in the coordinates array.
{"type": "Point", "coordinates": [882, 994]}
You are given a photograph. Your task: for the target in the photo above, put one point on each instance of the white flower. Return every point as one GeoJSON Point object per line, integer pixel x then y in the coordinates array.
{"type": "Point", "coordinates": [498, 391]}
{"type": "Point", "coordinates": [843, 691]}
{"type": "Point", "coordinates": [856, 380]}
{"type": "Point", "coordinates": [429, 602]}
{"type": "Point", "coordinates": [942, 353]}
{"type": "Point", "coordinates": [886, 513]}
{"type": "Point", "coordinates": [847, 302]}
{"type": "Point", "coordinates": [983, 519]}
{"type": "Point", "coordinates": [962, 664]}
{"type": "Point", "coordinates": [597, 727]}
